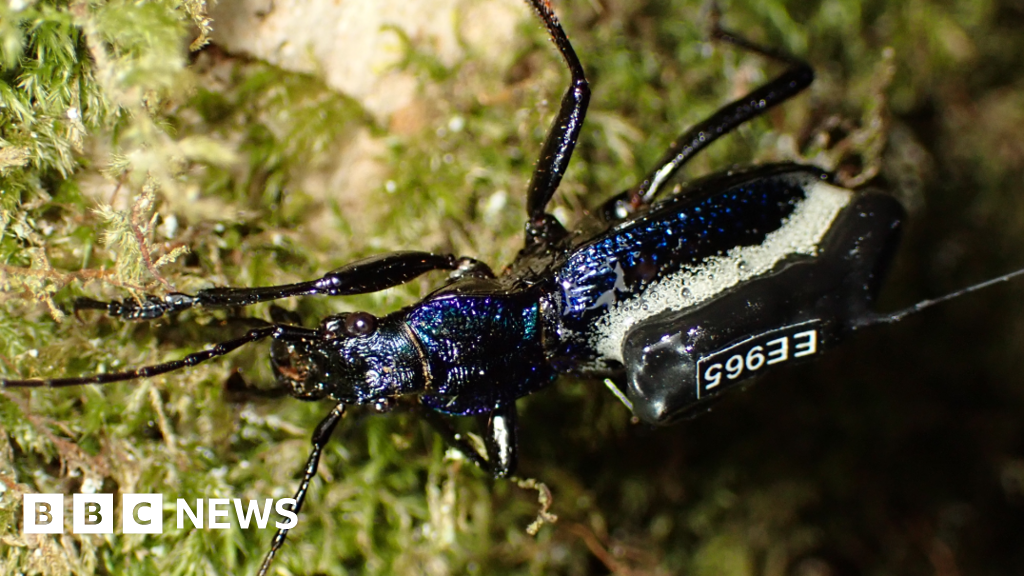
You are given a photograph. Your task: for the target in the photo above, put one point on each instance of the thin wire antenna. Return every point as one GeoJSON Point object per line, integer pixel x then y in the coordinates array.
{"type": "Point", "coordinates": [893, 317]}
{"type": "Point", "coordinates": [275, 331]}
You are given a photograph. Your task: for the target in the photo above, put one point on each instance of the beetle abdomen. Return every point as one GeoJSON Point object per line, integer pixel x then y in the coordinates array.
{"type": "Point", "coordinates": [678, 361]}
{"type": "Point", "coordinates": [691, 248]}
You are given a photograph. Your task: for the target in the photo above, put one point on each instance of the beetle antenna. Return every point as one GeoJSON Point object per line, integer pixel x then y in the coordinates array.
{"type": "Point", "coordinates": [275, 331]}
{"type": "Point", "coordinates": [893, 317]}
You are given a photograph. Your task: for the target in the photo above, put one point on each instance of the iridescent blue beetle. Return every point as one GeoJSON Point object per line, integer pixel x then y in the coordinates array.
{"type": "Point", "coordinates": [673, 299]}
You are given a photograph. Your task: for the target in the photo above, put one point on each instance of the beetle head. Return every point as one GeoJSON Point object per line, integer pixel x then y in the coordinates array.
{"type": "Point", "coordinates": [355, 358]}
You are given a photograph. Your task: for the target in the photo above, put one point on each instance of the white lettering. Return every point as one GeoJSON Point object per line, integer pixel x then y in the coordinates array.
{"type": "Point", "coordinates": [282, 510]}
{"type": "Point", "coordinates": [215, 512]}
{"type": "Point", "coordinates": [805, 348]}
{"type": "Point", "coordinates": [197, 518]}
{"type": "Point", "coordinates": [755, 354]}
{"type": "Point", "coordinates": [144, 513]}
{"type": "Point", "coordinates": [734, 367]}
{"type": "Point", "coordinates": [754, 358]}
{"type": "Point", "coordinates": [253, 510]}
{"type": "Point", "coordinates": [781, 354]}
{"type": "Point", "coordinates": [714, 375]}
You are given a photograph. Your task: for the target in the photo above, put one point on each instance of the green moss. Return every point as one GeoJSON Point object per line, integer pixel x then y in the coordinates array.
{"type": "Point", "coordinates": [881, 459]}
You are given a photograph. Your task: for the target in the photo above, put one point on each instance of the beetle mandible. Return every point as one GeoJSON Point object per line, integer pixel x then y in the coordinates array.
{"type": "Point", "coordinates": [733, 275]}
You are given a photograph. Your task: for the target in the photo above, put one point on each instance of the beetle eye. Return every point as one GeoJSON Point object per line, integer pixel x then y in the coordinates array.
{"type": "Point", "coordinates": [360, 324]}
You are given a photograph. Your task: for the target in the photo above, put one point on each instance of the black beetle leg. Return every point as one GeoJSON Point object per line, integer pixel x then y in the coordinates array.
{"type": "Point", "coordinates": [792, 81]}
{"type": "Point", "coordinates": [502, 450]}
{"type": "Point", "coordinates": [499, 438]}
{"type": "Point", "coordinates": [320, 437]}
{"type": "Point", "coordinates": [363, 276]}
{"type": "Point", "coordinates": [561, 138]}
{"type": "Point", "coordinates": [471, 268]}
{"type": "Point", "coordinates": [441, 425]}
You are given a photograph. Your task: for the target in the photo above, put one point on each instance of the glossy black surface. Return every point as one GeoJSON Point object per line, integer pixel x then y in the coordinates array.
{"type": "Point", "coordinates": [827, 294]}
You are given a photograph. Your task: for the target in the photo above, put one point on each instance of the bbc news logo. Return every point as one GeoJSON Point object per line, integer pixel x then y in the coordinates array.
{"type": "Point", "coordinates": [144, 513]}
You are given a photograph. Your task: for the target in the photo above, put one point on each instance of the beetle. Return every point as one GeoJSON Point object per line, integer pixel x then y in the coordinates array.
{"type": "Point", "coordinates": [783, 264]}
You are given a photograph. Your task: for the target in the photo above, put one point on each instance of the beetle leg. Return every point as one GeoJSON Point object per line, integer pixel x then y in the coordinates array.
{"type": "Point", "coordinates": [471, 268]}
{"type": "Point", "coordinates": [499, 438]}
{"type": "Point", "coordinates": [320, 437]}
{"type": "Point", "coordinates": [797, 76]}
{"type": "Point", "coordinates": [455, 439]}
{"type": "Point", "coordinates": [363, 276]}
{"type": "Point", "coordinates": [561, 138]}
{"type": "Point", "coordinates": [502, 450]}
